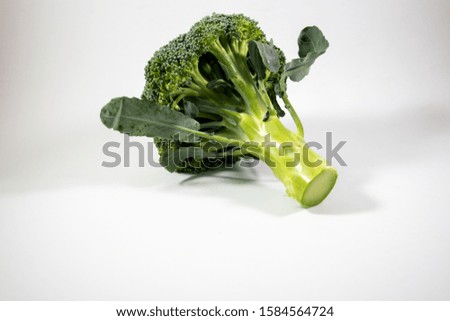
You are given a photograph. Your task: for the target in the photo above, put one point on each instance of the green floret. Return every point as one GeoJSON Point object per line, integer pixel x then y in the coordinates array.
{"type": "Point", "coordinates": [183, 66]}
{"type": "Point", "coordinates": [212, 96]}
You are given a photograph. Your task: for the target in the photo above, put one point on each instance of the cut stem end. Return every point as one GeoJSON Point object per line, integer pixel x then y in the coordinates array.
{"type": "Point", "coordinates": [319, 188]}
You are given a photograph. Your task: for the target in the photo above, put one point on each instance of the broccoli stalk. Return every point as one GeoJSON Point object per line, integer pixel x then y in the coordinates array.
{"type": "Point", "coordinates": [221, 81]}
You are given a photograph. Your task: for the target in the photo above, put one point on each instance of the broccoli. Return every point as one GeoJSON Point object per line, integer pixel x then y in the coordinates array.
{"type": "Point", "coordinates": [212, 97]}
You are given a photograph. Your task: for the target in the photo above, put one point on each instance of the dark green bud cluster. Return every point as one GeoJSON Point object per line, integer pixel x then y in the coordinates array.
{"type": "Point", "coordinates": [172, 66]}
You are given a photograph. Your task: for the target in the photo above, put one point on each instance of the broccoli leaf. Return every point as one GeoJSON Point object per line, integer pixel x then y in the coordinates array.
{"type": "Point", "coordinates": [190, 109]}
{"type": "Point", "coordinates": [255, 60]}
{"type": "Point", "coordinates": [311, 40]}
{"type": "Point", "coordinates": [297, 69]}
{"type": "Point", "coordinates": [263, 56]}
{"type": "Point", "coordinates": [269, 56]}
{"type": "Point", "coordinates": [312, 44]}
{"type": "Point", "coordinates": [137, 117]}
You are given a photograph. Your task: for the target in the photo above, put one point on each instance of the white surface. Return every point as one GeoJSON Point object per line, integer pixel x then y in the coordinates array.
{"type": "Point", "coordinates": [71, 229]}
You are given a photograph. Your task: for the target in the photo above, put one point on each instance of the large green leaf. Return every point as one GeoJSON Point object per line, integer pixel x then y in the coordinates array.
{"type": "Point", "coordinates": [311, 44]}
{"type": "Point", "coordinates": [263, 56]}
{"type": "Point", "coordinates": [311, 40]}
{"type": "Point", "coordinates": [137, 117]}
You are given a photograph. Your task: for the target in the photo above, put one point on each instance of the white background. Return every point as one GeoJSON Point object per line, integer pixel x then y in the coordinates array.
{"type": "Point", "coordinates": [71, 229]}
